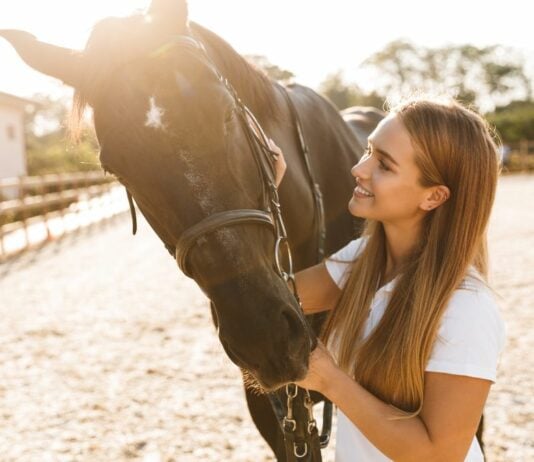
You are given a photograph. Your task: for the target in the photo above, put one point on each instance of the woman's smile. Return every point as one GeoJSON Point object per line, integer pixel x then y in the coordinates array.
{"type": "Point", "coordinates": [362, 193]}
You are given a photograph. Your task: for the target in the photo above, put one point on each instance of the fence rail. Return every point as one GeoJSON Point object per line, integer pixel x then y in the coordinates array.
{"type": "Point", "coordinates": [37, 209]}
{"type": "Point", "coordinates": [519, 156]}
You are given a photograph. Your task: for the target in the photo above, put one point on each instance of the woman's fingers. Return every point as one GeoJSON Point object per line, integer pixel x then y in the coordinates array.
{"type": "Point", "coordinates": [273, 147]}
{"type": "Point", "coordinates": [280, 163]}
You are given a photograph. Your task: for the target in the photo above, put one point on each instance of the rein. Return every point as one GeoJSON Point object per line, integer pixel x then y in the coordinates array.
{"type": "Point", "coordinates": [292, 406]}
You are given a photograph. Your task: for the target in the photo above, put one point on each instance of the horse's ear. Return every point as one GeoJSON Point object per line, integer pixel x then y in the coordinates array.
{"type": "Point", "coordinates": [62, 63]}
{"type": "Point", "coordinates": [170, 14]}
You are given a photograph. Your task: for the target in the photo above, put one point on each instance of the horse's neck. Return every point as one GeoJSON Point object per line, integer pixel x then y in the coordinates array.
{"type": "Point", "coordinates": [254, 88]}
{"type": "Point", "coordinates": [259, 97]}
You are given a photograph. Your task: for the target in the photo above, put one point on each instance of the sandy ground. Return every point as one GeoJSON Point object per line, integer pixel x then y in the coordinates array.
{"type": "Point", "coordinates": [108, 352]}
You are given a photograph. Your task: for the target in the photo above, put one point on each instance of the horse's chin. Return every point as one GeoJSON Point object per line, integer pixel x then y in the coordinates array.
{"type": "Point", "coordinates": [257, 387]}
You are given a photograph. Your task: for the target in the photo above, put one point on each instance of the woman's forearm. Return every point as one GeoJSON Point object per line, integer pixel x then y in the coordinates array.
{"type": "Point", "coordinates": [400, 440]}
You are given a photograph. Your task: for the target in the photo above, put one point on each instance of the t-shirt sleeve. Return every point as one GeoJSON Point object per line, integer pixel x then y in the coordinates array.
{"type": "Point", "coordinates": [338, 264]}
{"type": "Point", "coordinates": [471, 336]}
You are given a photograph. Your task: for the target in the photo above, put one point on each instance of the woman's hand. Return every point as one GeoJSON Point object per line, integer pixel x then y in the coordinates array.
{"type": "Point", "coordinates": [280, 162]}
{"type": "Point", "coordinates": [320, 372]}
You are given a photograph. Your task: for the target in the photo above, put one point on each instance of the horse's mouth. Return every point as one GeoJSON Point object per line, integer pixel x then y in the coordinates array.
{"type": "Point", "coordinates": [254, 381]}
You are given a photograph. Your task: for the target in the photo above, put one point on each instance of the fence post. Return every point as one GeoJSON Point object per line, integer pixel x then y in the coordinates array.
{"type": "Point", "coordinates": [89, 198]}
{"type": "Point", "coordinates": [60, 191]}
{"type": "Point", "coordinates": [22, 198]}
{"type": "Point", "coordinates": [42, 190]}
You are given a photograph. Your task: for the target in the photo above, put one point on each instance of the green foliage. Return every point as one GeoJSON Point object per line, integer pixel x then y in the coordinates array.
{"type": "Point", "coordinates": [48, 147]}
{"type": "Point", "coordinates": [515, 121]}
{"type": "Point", "coordinates": [344, 95]}
{"type": "Point", "coordinates": [272, 70]}
{"type": "Point", "coordinates": [487, 76]}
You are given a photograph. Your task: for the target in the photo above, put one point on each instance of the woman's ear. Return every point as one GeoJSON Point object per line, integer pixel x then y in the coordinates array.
{"type": "Point", "coordinates": [436, 196]}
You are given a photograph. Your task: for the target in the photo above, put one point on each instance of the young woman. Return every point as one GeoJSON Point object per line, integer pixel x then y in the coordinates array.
{"type": "Point", "coordinates": [413, 327]}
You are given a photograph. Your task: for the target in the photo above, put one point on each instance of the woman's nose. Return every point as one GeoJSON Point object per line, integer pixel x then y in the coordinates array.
{"type": "Point", "coordinates": [360, 170]}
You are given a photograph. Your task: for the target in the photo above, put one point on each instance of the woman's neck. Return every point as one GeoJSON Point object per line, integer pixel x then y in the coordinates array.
{"type": "Point", "coordinates": [400, 243]}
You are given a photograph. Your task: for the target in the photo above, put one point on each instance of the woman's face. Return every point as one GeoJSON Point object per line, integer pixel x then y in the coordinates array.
{"type": "Point", "coordinates": [387, 178]}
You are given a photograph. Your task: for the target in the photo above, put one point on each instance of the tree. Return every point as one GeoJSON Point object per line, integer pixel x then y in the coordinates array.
{"type": "Point", "coordinates": [48, 147]}
{"type": "Point", "coordinates": [515, 121]}
{"type": "Point", "coordinates": [487, 76]}
{"type": "Point", "coordinates": [272, 70]}
{"type": "Point", "coordinates": [344, 95]}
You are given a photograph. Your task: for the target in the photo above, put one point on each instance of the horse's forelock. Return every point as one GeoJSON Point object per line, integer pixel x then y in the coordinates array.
{"type": "Point", "coordinates": [115, 42]}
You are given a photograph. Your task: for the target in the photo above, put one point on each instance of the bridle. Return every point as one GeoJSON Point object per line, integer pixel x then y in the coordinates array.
{"type": "Point", "coordinates": [270, 215]}
{"type": "Point", "coordinates": [301, 438]}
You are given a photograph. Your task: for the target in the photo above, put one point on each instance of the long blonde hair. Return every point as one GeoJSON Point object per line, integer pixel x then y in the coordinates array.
{"type": "Point", "coordinates": [454, 147]}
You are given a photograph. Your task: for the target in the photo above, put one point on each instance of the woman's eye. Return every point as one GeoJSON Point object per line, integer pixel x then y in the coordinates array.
{"type": "Point", "coordinates": [383, 166]}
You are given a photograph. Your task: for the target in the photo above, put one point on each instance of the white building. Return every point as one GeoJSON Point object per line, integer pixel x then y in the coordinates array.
{"type": "Point", "coordinates": [12, 137]}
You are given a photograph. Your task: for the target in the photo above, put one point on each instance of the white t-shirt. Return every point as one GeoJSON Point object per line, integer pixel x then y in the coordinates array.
{"type": "Point", "coordinates": [470, 339]}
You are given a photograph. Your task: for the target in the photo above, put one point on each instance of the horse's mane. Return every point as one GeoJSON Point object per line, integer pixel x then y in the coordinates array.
{"type": "Point", "coordinates": [256, 89]}
{"type": "Point", "coordinates": [100, 60]}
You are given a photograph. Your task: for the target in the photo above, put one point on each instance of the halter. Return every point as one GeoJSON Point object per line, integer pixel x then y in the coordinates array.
{"type": "Point", "coordinates": [301, 437]}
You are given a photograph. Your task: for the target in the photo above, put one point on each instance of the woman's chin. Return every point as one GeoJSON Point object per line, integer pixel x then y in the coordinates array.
{"type": "Point", "coordinates": [356, 209]}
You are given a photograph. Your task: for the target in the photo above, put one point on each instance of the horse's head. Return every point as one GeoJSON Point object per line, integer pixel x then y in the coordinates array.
{"type": "Point", "coordinates": [169, 129]}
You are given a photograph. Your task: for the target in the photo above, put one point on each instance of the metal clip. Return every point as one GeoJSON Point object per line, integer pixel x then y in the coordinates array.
{"type": "Point", "coordinates": [296, 450]}
{"type": "Point", "coordinates": [290, 425]}
{"type": "Point", "coordinates": [294, 388]}
{"type": "Point", "coordinates": [308, 404]}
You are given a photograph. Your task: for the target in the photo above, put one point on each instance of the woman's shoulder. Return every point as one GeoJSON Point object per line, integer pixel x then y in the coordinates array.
{"type": "Point", "coordinates": [338, 264]}
{"type": "Point", "coordinates": [350, 251]}
{"type": "Point", "coordinates": [472, 334]}
{"type": "Point", "coordinates": [473, 299]}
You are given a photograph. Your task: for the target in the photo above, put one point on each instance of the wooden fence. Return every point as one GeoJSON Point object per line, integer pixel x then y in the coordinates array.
{"type": "Point", "coordinates": [40, 208]}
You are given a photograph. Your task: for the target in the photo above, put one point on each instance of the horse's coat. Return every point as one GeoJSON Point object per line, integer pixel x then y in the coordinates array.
{"type": "Point", "coordinates": [183, 157]}
{"type": "Point", "coordinates": [206, 198]}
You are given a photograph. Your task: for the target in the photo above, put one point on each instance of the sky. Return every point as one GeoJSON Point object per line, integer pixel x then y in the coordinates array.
{"type": "Point", "coordinates": [311, 38]}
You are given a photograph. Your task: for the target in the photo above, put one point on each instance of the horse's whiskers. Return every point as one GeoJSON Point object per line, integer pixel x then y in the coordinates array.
{"type": "Point", "coordinates": [252, 384]}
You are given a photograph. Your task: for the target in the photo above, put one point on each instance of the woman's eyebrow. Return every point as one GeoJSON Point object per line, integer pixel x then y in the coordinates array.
{"type": "Point", "coordinates": [384, 153]}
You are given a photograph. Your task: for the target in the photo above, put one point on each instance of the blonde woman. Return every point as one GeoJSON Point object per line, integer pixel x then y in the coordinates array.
{"type": "Point", "coordinates": [413, 327]}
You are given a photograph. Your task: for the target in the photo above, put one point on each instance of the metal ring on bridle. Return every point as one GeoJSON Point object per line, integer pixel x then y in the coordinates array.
{"type": "Point", "coordinates": [296, 450]}
{"type": "Point", "coordinates": [277, 257]}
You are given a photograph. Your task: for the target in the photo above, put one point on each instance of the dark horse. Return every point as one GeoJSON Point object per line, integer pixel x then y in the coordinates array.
{"type": "Point", "coordinates": [168, 130]}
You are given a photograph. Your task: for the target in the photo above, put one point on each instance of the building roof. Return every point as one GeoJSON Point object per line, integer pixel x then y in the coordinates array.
{"type": "Point", "coordinates": [14, 101]}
